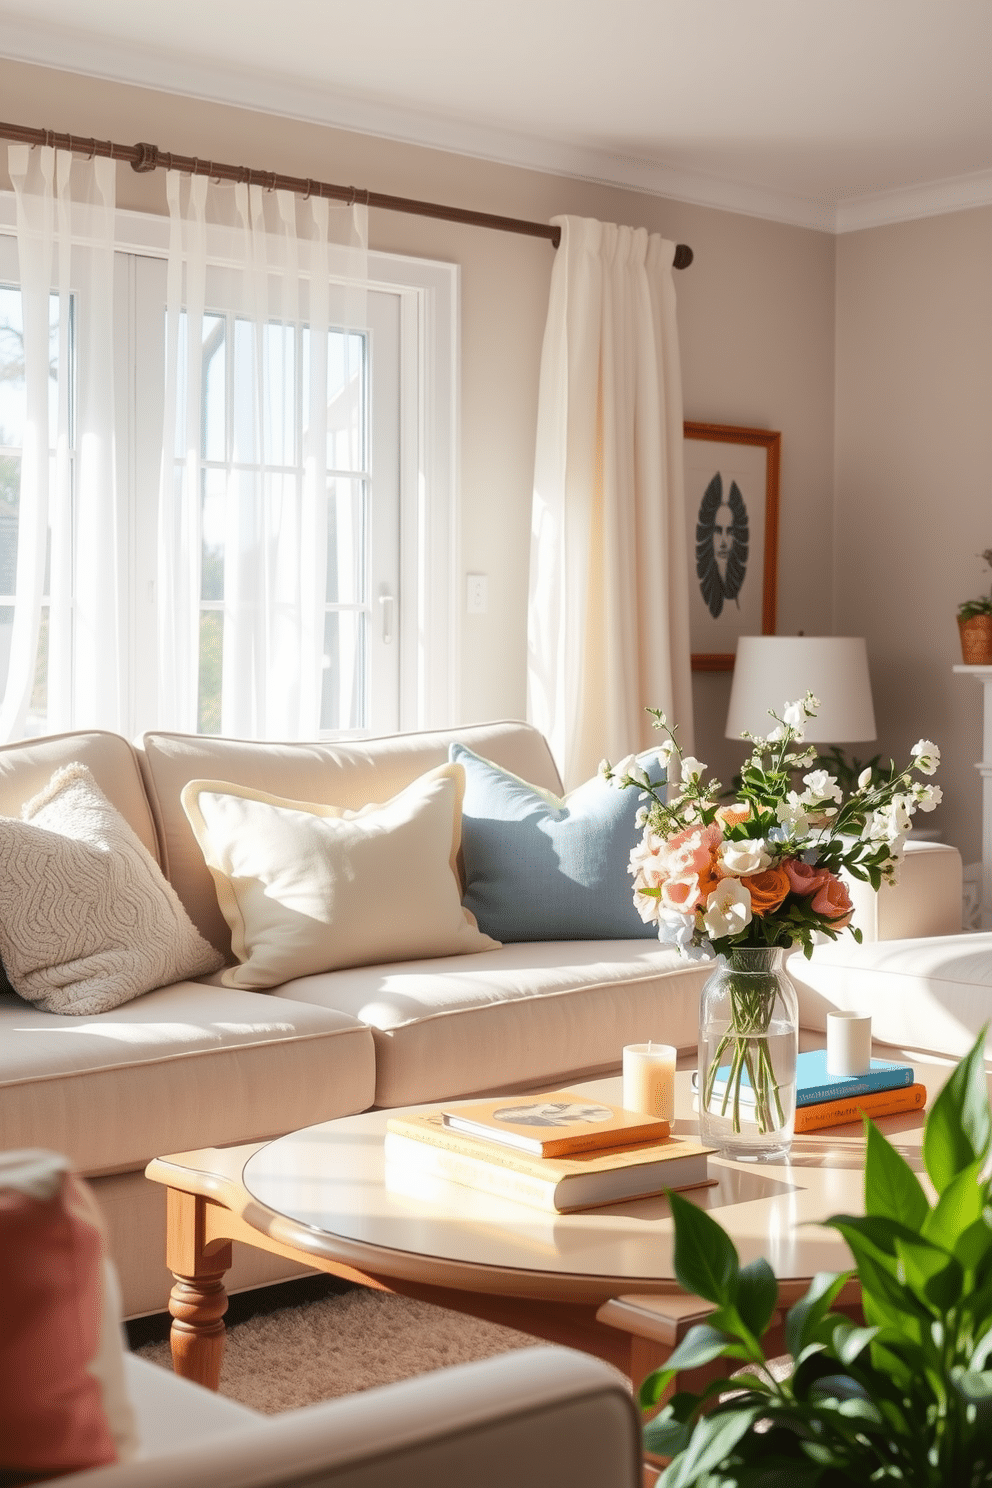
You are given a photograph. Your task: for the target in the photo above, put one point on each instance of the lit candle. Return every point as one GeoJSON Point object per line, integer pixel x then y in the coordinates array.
{"type": "Point", "coordinates": [649, 1079]}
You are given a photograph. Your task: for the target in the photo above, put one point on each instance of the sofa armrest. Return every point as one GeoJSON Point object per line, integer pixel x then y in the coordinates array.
{"type": "Point", "coordinates": [542, 1416]}
{"type": "Point", "coordinates": [926, 900]}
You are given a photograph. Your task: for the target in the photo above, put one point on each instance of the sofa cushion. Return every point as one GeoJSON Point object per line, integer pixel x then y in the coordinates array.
{"type": "Point", "coordinates": [932, 994]}
{"type": "Point", "coordinates": [190, 1065]}
{"type": "Point", "coordinates": [87, 921]}
{"type": "Point", "coordinates": [514, 1017]}
{"type": "Point", "coordinates": [64, 1405]}
{"type": "Point", "coordinates": [26, 768]}
{"type": "Point", "coordinates": [309, 888]}
{"type": "Point", "coordinates": [539, 866]}
{"type": "Point", "coordinates": [348, 775]}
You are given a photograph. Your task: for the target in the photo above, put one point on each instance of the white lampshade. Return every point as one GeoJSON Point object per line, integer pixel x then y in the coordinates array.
{"type": "Point", "coordinates": [771, 671]}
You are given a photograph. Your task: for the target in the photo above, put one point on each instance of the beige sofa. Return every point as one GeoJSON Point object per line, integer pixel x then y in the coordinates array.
{"type": "Point", "coordinates": [197, 1063]}
{"type": "Point", "coordinates": [537, 1418]}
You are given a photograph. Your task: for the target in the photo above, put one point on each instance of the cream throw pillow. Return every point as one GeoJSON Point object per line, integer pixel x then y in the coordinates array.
{"type": "Point", "coordinates": [87, 919]}
{"type": "Point", "coordinates": [308, 888]}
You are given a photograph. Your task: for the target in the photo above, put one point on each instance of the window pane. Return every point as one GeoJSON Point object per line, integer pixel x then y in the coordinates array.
{"type": "Point", "coordinates": [214, 387]}
{"type": "Point", "coordinates": [346, 400]}
{"type": "Point", "coordinates": [280, 395]}
{"type": "Point", "coordinates": [37, 719]}
{"type": "Point", "coordinates": [211, 671]}
{"type": "Point", "coordinates": [212, 520]}
{"type": "Point", "coordinates": [342, 704]}
{"type": "Point", "coordinates": [12, 395]}
{"type": "Point", "coordinates": [10, 493]}
{"type": "Point", "coordinates": [347, 534]}
{"type": "Point", "coordinates": [6, 626]}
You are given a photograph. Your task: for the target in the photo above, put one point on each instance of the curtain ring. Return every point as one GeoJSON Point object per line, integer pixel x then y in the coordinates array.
{"type": "Point", "coordinates": [272, 183]}
{"type": "Point", "coordinates": [308, 190]}
{"type": "Point", "coordinates": [92, 149]}
{"type": "Point", "coordinates": [110, 148]}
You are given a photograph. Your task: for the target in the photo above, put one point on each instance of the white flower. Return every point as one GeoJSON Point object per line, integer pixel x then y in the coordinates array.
{"type": "Point", "coordinates": [679, 930]}
{"type": "Point", "coordinates": [625, 766]}
{"type": "Point", "coordinates": [927, 756]}
{"type": "Point", "coordinates": [792, 815]}
{"type": "Point", "coordinates": [864, 779]}
{"type": "Point", "coordinates": [794, 715]}
{"type": "Point", "coordinates": [665, 751]}
{"type": "Point", "coordinates": [927, 796]}
{"type": "Point", "coordinates": [638, 774]}
{"type": "Point", "coordinates": [821, 786]}
{"type": "Point", "coordinates": [605, 771]}
{"type": "Point", "coordinates": [777, 734]}
{"type": "Point", "coordinates": [738, 859]}
{"type": "Point", "coordinates": [691, 768]}
{"type": "Point", "coordinates": [728, 909]}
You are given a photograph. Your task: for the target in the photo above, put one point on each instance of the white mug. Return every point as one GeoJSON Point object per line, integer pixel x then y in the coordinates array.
{"type": "Point", "coordinates": [848, 1043]}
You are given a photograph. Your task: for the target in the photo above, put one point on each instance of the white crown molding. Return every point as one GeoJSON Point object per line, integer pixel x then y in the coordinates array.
{"type": "Point", "coordinates": [908, 203]}
{"type": "Point", "coordinates": [81, 52]}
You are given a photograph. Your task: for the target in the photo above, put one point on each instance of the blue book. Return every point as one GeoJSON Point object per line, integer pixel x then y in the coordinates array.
{"type": "Point", "coordinates": [814, 1085]}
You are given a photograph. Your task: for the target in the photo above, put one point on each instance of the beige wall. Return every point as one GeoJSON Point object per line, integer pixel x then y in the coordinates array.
{"type": "Point", "coordinates": [914, 461]}
{"type": "Point", "coordinates": [756, 318]}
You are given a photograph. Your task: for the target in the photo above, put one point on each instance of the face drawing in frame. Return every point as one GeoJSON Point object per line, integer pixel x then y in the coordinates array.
{"type": "Point", "coordinates": [722, 537]}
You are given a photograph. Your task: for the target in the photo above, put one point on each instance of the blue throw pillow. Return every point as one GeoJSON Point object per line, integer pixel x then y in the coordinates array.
{"type": "Point", "coordinates": [538, 867]}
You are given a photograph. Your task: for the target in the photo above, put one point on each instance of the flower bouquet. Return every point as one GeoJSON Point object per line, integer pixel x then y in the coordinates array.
{"type": "Point", "coordinates": [745, 881]}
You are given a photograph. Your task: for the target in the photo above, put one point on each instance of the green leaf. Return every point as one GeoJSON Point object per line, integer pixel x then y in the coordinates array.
{"type": "Point", "coordinates": [714, 1438]}
{"type": "Point", "coordinates": [931, 1274]}
{"type": "Point", "coordinates": [959, 1207]}
{"type": "Point", "coordinates": [706, 1262]}
{"type": "Point", "coordinates": [806, 1315]}
{"type": "Point", "coordinates": [666, 1438]}
{"type": "Point", "coordinates": [850, 1341]}
{"type": "Point", "coordinates": [757, 1295]}
{"type": "Point", "coordinates": [701, 1345]}
{"type": "Point", "coordinates": [892, 1189]}
{"type": "Point", "coordinates": [958, 1129]}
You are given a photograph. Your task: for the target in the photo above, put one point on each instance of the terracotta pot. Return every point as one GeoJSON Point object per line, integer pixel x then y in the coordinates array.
{"type": "Point", "coordinates": [976, 640]}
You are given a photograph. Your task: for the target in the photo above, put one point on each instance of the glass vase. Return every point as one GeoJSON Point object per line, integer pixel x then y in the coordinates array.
{"type": "Point", "coordinates": [748, 1039]}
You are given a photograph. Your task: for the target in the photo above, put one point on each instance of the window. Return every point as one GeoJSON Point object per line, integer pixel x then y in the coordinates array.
{"type": "Point", "coordinates": [385, 616]}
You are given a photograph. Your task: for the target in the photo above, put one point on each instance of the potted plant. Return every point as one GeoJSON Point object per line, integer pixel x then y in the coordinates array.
{"type": "Point", "coordinates": [975, 625]}
{"type": "Point", "coordinates": [908, 1396]}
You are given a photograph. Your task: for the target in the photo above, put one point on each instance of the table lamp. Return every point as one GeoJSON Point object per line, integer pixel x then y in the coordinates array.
{"type": "Point", "coordinates": [771, 671]}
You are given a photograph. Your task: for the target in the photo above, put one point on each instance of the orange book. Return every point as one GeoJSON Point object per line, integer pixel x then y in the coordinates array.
{"type": "Point", "coordinates": [554, 1124]}
{"type": "Point", "coordinates": [851, 1108]}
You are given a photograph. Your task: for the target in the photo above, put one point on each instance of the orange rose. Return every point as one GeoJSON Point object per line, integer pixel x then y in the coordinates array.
{"type": "Point", "coordinates": [732, 816]}
{"type": "Point", "coordinates": [768, 890]}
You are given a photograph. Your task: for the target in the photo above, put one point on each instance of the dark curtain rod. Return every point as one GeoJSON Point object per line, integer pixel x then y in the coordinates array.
{"type": "Point", "coordinates": [145, 157]}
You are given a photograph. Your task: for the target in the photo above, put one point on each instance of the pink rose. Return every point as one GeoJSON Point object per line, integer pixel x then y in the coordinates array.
{"type": "Point", "coordinates": [692, 851]}
{"type": "Point", "coordinates": [683, 893]}
{"type": "Point", "coordinates": [804, 878]}
{"type": "Point", "coordinates": [833, 902]}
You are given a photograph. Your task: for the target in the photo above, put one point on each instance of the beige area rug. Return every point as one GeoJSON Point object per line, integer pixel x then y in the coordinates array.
{"type": "Point", "coordinates": [341, 1344]}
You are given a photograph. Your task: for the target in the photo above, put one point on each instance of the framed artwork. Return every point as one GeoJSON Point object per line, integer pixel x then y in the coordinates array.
{"type": "Point", "coordinates": [731, 503]}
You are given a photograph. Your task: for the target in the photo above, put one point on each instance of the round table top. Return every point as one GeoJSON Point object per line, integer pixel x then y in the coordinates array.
{"type": "Point", "coordinates": [330, 1180]}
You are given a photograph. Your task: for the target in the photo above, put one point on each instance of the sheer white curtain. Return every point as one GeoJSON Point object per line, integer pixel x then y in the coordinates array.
{"type": "Point", "coordinates": [608, 625]}
{"type": "Point", "coordinates": [301, 267]}
{"type": "Point", "coordinates": [65, 643]}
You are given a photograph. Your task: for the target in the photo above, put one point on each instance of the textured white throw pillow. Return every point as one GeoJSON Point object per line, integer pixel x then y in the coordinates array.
{"type": "Point", "coordinates": [308, 888]}
{"type": "Point", "coordinates": [87, 919]}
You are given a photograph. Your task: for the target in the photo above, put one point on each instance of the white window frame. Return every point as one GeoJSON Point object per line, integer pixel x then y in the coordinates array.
{"type": "Point", "coordinates": [428, 619]}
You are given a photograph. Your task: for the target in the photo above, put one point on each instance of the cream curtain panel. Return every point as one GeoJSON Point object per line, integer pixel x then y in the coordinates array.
{"type": "Point", "coordinates": [279, 260]}
{"type": "Point", "coordinates": [66, 625]}
{"type": "Point", "coordinates": [608, 625]}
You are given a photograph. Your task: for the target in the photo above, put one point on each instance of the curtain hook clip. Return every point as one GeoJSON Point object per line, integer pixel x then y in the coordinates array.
{"type": "Point", "coordinates": [308, 190]}
{"type": "Point", "coordinates": [272, 182]}
{"type": "Point", "coordinates": [92, 149]}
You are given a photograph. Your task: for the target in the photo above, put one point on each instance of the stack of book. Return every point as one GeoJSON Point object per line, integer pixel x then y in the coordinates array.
{"type": "Point", "coordinates": [558, 1151]}
{"type": "Point", "coordinates": [825, 1100]}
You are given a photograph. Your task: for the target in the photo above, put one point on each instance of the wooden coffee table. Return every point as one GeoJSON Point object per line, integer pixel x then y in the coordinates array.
{"type": "Point", "coordinates": [601, 1280]}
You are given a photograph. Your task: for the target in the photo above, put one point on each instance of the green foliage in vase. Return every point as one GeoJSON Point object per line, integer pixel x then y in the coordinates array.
{"type": "Point", "coordinates": [983, 604]}
{"type": "Point", "coordinates": [906, 1398]}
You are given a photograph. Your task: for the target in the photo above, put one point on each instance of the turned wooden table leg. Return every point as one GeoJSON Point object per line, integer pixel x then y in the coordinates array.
{"type": "Point", "coordinates": [198, 1301]}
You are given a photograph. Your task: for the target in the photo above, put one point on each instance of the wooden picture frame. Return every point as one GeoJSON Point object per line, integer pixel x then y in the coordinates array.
{"type": "Point", "coordinates": [731, 506]}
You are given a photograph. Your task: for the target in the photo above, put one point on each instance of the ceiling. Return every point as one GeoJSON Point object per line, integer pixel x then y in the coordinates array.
{"type": "Point", "coordinates": [834, 114]}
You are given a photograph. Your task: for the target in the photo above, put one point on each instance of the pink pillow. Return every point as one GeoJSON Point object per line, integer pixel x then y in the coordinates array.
{"type": "Point", "coordinates": [63, 1400]}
